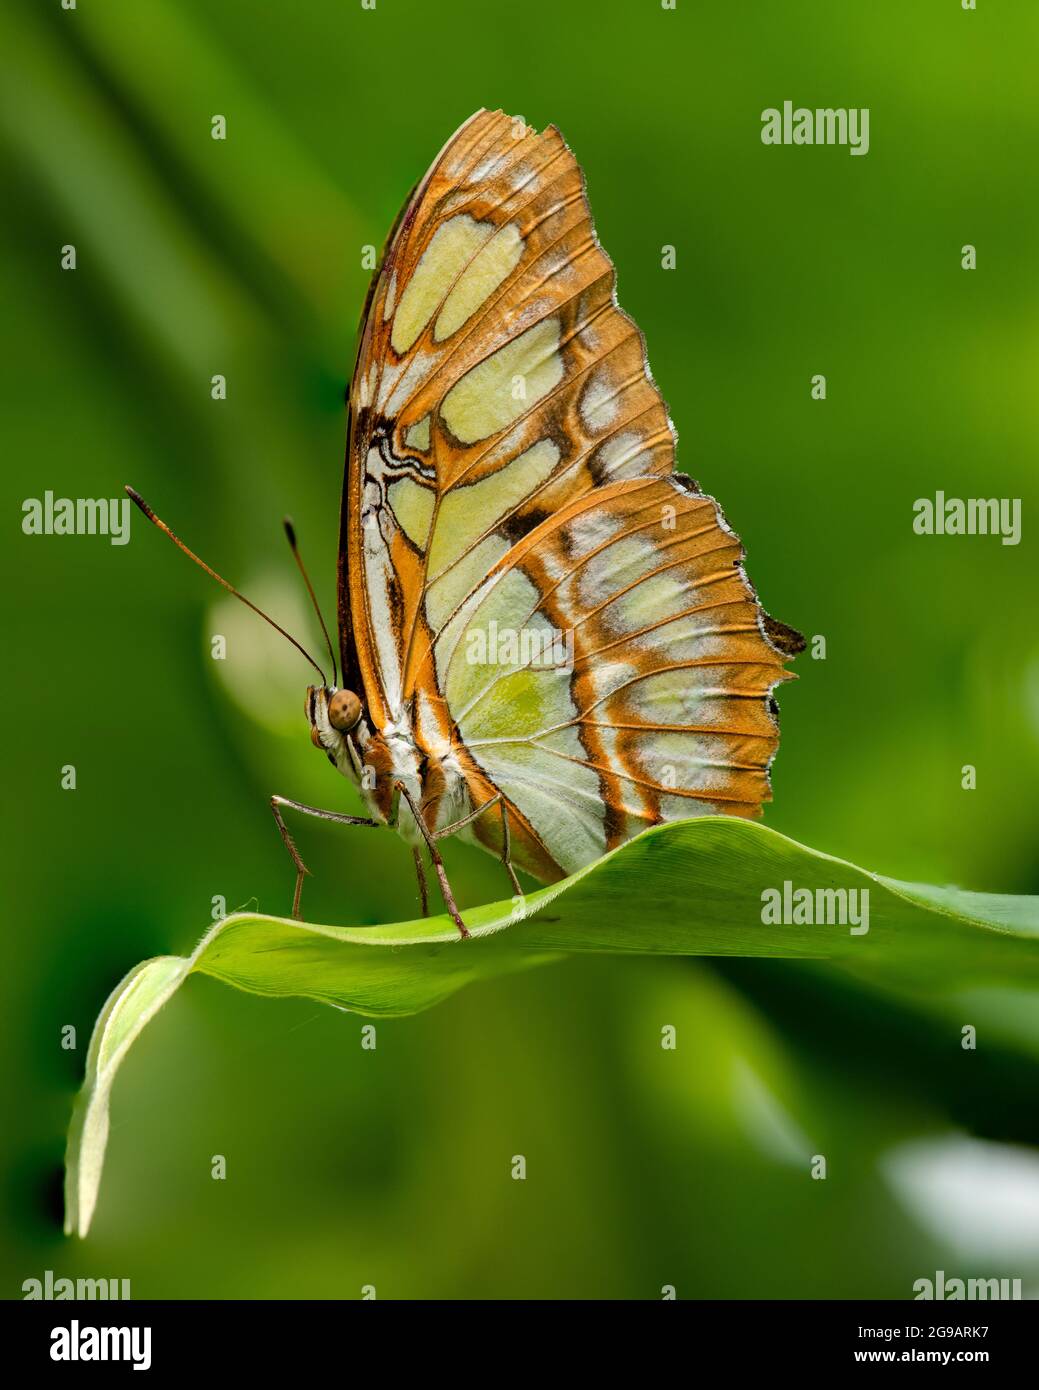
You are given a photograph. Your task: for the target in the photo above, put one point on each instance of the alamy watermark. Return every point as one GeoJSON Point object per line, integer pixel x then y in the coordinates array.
{"type": "Point", "coordinates": [542, 648]}
{"type": "Point", "coordinates": [940, 1288]}
{"type": "Point", "coordinates": [58, 1288]}
{"type": "Point", "coordinates": [77, 516]}
{"type": "Point", "coordinates": [968, 516]}
{"type": "Point", "coordinates": [81, 1342]}
{"type": "Point", "coordinates": [816, 907]}
{"type": "Point", "coordinates": [805, 125]}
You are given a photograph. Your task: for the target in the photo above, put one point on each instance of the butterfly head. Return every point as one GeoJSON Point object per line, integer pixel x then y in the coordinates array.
{"type": "Point", "coordinates": [333, 714]}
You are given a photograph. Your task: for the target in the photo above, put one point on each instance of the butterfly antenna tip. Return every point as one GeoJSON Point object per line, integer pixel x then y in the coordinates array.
{"type": "Point", "coordinates": [290, 532]}
{"type": "Point", "coordinates": [136, 497]}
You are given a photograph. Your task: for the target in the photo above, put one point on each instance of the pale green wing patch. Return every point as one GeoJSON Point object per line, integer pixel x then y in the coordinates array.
{"type": "Point", "coordinates": [452, 248]}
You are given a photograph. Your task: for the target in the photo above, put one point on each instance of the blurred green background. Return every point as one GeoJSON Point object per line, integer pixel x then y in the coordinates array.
{"type": "Point", "coordinates": [243, 257]}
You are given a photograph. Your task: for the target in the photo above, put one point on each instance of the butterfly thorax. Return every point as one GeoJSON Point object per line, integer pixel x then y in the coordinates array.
{"type": "Point", "coordinates": [378, 761]}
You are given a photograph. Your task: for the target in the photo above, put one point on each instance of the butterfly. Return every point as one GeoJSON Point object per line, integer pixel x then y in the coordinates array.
{"type": "Point", "coordinates": [547, 640]}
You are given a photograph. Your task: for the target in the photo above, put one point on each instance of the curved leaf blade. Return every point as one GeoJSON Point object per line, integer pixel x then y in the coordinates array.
{"type": "Point", "coordinates": [689, 888]}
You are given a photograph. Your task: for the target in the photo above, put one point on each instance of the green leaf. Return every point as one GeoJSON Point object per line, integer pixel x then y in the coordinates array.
{"type": "Point", "coordinates": [690, 888]}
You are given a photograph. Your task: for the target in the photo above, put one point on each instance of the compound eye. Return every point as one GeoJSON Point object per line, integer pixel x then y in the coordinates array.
{"type": "Point", "coordinates": [344, 710]}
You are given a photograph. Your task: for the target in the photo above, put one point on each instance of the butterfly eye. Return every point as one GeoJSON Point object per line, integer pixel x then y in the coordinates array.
{"type": "Point", "coordinates": [344, 710]}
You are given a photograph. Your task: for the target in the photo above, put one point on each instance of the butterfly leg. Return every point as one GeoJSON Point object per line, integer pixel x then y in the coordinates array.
{"type": "Point", "coordinates": [457, 825]}
{"type": "Point", "coordinates": [434, 854]}
{"type": "Point", "coordinates": [423, 890]}
{"type": "Point", "coordinates": [290, 844]}
{"type": "Point", "coordinates": [506, 852]}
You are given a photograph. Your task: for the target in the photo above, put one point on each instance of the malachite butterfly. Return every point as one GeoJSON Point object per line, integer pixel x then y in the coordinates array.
{"type": "Point", "coordinates": [547, 639]}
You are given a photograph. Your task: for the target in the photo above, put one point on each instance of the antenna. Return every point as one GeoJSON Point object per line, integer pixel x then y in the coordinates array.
{"type": "Point", "coordinates": [290, 531]}
{"type": "Point", "coordinates": [157, 521]}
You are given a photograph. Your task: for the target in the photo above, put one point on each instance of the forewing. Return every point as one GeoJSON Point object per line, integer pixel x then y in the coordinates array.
{"type": "Point", "coordinates": [511, 470]}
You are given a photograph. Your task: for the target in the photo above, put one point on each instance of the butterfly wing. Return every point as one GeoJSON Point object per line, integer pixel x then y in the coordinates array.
{"type": "Point", "coordinates": [512, 496]}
